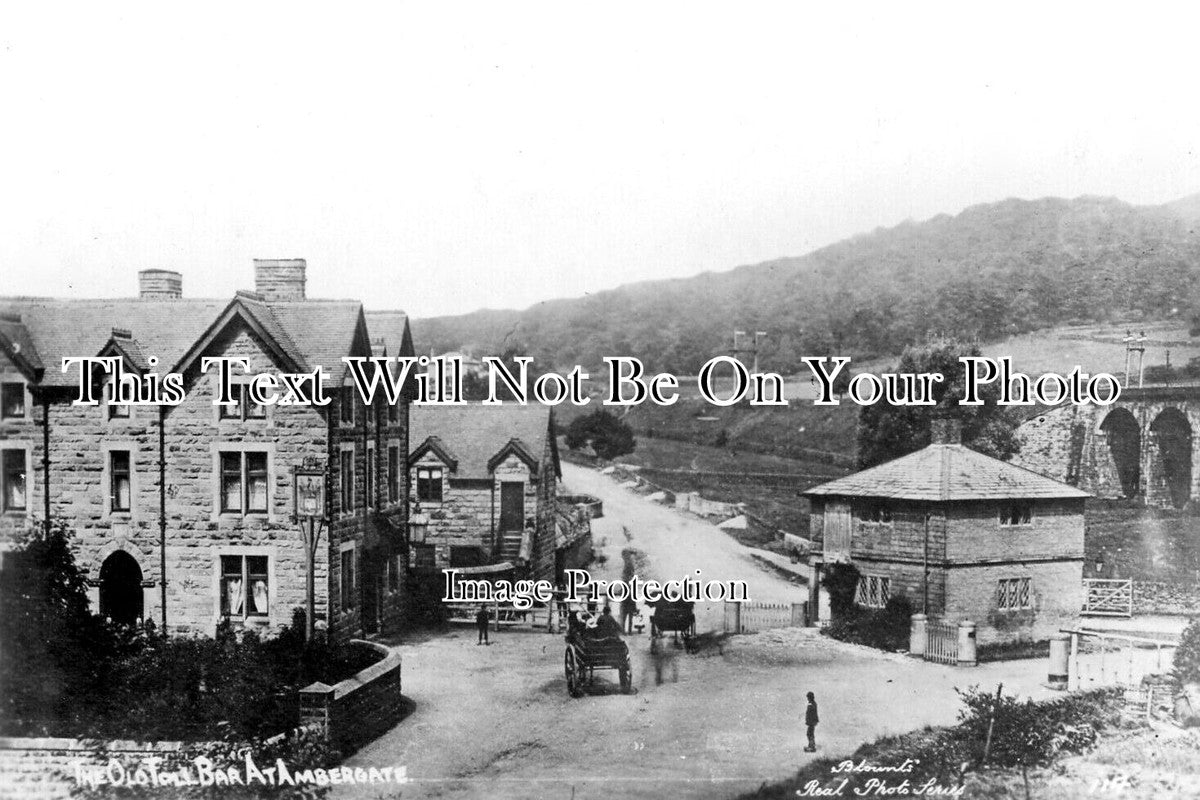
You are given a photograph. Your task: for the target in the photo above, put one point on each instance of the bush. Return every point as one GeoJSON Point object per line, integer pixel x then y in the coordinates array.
{"type": "Point", "coordinates": [68, 672]}
{"type": "Point", "coordinates": [1187, 655]}
{"type": "Point", "coordinates": [608, 436]}
{"type": "Point", "coordinates": [1032, 734]}
{"type": "Point", "coordinates": [884, 628]}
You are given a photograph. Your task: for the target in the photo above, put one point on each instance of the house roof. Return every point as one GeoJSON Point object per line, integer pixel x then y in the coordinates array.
{"type": "Point", "coordinates": [308, 333]}
{"type": "Point", "coordinates": [390, 328]}
{"type": "Point", "coordinates": [946, 472]}
{"type": "Point", "coordinates": [475, 434]}
{"type": "Point", "coordinates": [59, 329]}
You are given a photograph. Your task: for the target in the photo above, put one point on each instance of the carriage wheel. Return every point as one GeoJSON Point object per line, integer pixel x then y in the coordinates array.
{"type": "Point", "coordinates": [626, 678]}
{"type": "Point", "coordinates": [574, 673]}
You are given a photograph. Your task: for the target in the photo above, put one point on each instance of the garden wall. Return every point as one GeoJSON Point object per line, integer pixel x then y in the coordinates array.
{"type": "Point", "coordinates": [359, 708]}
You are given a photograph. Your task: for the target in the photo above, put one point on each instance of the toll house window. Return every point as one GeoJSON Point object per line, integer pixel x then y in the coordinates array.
{"type": "Point", "coordinates": [872, 591]}
{"type": "Point", "coordinates": [1016, 514]}
{"type": "Point", "coordinates": [876, 513]}
{"type": "Point", "coordinates": [1012, 594]}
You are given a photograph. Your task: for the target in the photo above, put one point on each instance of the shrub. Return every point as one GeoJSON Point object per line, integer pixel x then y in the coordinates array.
{"type": "Point", "coordinates": [65, 671]}
{"type": "Point", "coordinates": [1032, 734]}
{"type": "Point", "coordinates": [884, 628]}
{"type": "Point", "coordinates": [608, 436]}
{"type": "Point", "coordinates": [1187, 655]}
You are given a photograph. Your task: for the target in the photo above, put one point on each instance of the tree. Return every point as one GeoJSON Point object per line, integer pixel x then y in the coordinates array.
{"type": "Point", "coordinates": [608, 436]}
{"type": "Point", "coordinates": [886, 432]}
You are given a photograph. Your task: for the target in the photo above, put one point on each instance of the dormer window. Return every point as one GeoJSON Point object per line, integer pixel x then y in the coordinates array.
{"type": "Point", "coordinates": [429, 484]}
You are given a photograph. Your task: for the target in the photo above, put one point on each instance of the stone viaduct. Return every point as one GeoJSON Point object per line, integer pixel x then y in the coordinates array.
{"type": "Point", "coordinates": [1138, 448]}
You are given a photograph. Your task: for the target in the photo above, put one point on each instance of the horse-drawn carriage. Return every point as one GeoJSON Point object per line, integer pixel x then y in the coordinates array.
{"type": "Point", "coordinates": [678, 617]}
{"type": "Point", "coordinates": [590, 649]}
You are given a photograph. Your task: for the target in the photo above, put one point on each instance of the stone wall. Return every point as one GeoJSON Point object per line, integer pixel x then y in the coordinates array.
{"type": "Point", "coordinates": [359, 708]}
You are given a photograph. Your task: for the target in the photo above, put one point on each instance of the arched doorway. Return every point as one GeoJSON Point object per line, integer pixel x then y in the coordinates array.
{"type": "Point", "coordinates": [1173, 456]}
{"type": "Point", "coordinates": [1125, 444]}
{"type": "Point", "coordinates": [121, 588]}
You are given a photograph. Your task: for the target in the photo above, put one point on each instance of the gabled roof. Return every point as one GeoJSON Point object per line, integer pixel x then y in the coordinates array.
{"type": "Point", "coordinates": [124, 346]}
{"type": "Point", "coordinates": [514, 447]}
{"type": "Point", "coordinates": [436, 446]}
{"type": "Point", "coordinates": [259, 317]}
{"type": "Point", "coordinates": [476, 434]}
{"type": "Point", "coordinates": [390, 329]}
{"type": "Point", "coordinates": [946, 472]}
{"type": "Point", "coordinates": [17, 344]}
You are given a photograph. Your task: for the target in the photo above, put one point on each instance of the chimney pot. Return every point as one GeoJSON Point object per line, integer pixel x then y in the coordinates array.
{"type": "Point", "coordinates": [279, 279]}
{"type": "Point", "coordinates": [160, 284]}
{"type": "Point", "coordinates": [946, 430]}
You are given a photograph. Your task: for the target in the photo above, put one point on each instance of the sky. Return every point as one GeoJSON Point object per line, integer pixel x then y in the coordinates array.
{"type": "Point", "coordinates": [445, 157]}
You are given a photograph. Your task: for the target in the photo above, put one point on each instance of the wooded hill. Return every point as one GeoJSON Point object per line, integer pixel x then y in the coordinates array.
{"type": "Point", "coordinates": [992, 271]}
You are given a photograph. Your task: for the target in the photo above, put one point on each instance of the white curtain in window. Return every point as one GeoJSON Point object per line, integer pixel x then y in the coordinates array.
{"type": "Point", "coordinates": [260, 596]}
{"type": "Point", "coordinates": [235, 595]}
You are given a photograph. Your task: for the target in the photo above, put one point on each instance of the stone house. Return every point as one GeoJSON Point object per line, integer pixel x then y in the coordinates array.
{"type": "Point", "coordinates": [485, 483]}
{"type": "Point", "coordinates": [183, 514]}
{"type": "Point", "coordinates": [962, 535]}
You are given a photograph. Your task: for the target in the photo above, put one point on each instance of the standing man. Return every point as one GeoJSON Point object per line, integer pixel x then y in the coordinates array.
{"type": "Point", "coordinates": [481, 622]}
{"type": "Point", "coordinates": [810, 720]}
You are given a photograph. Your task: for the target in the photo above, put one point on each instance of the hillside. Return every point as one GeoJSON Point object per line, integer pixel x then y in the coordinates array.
{"type": "Point", "coordinates": [990, 272]}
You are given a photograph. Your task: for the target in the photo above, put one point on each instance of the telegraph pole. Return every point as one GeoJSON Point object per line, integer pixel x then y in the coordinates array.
{"type": "Point", "coordinates": [753, 350]}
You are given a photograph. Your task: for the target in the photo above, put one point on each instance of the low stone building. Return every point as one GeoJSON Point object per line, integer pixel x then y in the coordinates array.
{"type": "Point", "coordinates": [183, 514]}
{"type": "Point", "coordinates": [962, 535]}
{"type": "Point", "coordinates": [485, 481]}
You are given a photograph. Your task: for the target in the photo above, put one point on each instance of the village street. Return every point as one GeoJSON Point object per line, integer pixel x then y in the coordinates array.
{"type": "Point", "coordinates": [497, 722]}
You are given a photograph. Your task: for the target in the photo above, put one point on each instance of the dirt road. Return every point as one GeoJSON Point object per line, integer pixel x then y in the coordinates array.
{"type": "Point", "coordinates": [496, 722]}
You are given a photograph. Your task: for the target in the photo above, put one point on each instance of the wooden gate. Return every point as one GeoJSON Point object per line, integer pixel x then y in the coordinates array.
{"type": "Point", "coordinates": [941, 643]}
{"type": "Point", "coordinates": [1103, 597]}
{"type": "Point", "coordinates": [1100, 659]}
{"type": "Point", "coordinates": [753, 617]}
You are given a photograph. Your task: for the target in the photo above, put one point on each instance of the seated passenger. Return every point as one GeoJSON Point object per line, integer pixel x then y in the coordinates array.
{"type": "Point", "coordinates": [607, 626]}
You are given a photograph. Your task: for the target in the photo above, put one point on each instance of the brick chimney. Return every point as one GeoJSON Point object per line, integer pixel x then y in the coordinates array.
{"type": "Point", "coordinates": [160, 284]}
{"type": "Point", "coordinates": [945, 429]}
{"type": "Point", "coordinates": [279, 279]}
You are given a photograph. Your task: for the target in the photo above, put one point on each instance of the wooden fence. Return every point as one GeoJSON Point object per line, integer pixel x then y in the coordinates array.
{"type": "Point", "coordinates": [1104, 597]}
{"type": "Point", "coordinates": [1108, 659]}
{"type": "Point", "coordinates": [753, 617]}
{"type": "Point", "coordinates": [941, 642]}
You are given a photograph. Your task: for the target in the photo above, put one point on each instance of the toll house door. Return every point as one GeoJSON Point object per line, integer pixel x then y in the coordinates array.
{"type": "Point", "coordinates": [837, 532]}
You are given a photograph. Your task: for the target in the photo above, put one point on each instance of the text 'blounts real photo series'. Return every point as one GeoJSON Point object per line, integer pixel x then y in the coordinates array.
{"type": "Point", "coordinates": [520, 401]}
